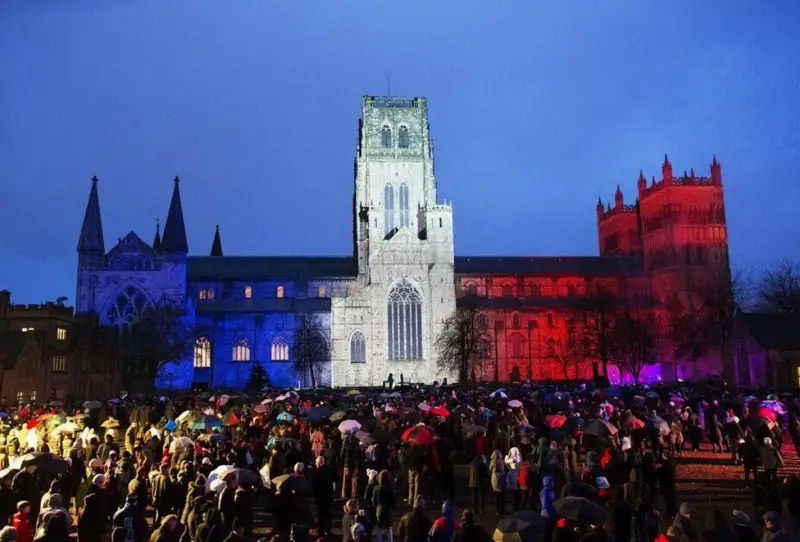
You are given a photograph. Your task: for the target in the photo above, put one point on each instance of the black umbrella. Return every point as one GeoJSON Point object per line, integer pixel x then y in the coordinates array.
{"type": "Point", "coordinates": [243, 477]}
{"type": "Point", "coordinates": [319, 413]}
{"type": "Point", "coordinates": [520, 527]}
{"type": "Point", "coordinates": [599, 428]}
{"type": "Point", "coordinates": [582, 511]}
{"type": "Point", "coordinates": [44, 463]}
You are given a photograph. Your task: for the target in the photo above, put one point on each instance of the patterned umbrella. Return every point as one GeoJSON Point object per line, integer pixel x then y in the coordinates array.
{"type": "Point", "coordinates": [419, 434]}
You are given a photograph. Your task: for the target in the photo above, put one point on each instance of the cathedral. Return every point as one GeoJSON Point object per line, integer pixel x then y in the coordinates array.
{"type": "Point", "coordinates": [380, 311]}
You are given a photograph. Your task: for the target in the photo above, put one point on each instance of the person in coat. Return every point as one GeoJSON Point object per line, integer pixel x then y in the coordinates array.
{"type": "Point", "coordinates": [322, 488]}
{"type": "Point", "coordinates": [478, 481]}
{"type": "Point", "coordinates": [468, 530]}
{"type": "Point", "coordinates": [384, 504]}
{"type": "Point", "coordinates": [415, 525]}
{"type": "Point", "coordinates": [497, 474]}
{"type": "Point", "coordinates": [22, 523]}
{"type": "Point", "coordinates": [92, 523]}
{"type": "Point", "coordinates": [513, 466]}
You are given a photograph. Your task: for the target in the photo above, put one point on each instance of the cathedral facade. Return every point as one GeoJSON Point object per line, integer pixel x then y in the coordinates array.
{"type": "Point", "coordinates": [380, 311]}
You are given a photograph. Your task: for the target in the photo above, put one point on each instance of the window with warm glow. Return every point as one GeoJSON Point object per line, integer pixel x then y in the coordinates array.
{"type": "Point", "coordinates": [241, 350]}
{"type": "Point", "coordinates": [19, 397]}
{"type": "Point", "coordinates": [33, 396]}
{"type": "Point", "coordinates": [280, 292]}
{"type": "Point", "coordinates": [27, 329]}
{"type": "Point", "coordinates": [59, 364]}
{"type": "Point", "coordinates": [248, 292]}
{"type": "Point", "coordinates": [207, 294]}
{"type": "Point", "coordinates": [61, 334]}
{"type": "Point", "coordinates": [321, 291]}
{"type": "Point", "coordinates": [202, 353]}
{"type": "Point", "coordinates": [280, 350]}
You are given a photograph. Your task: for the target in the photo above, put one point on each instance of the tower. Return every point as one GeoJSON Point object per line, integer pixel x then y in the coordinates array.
{"type": "Point", "coordinates": [91, 249]}
{"type": "Point", "coordinates": [618, 227]}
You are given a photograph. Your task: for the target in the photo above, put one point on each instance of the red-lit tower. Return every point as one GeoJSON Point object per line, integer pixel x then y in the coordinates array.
{"type": "Point", "coordinates": [618, 227]}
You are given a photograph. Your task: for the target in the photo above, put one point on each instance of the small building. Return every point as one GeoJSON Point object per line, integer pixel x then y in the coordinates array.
{"type": "Point", "coordinates": [766, 350]}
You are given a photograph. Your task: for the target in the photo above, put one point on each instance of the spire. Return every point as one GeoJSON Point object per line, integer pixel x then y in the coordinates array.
{"type": "Point", "coordinates": [174, 239]}
{"type": "Point", "coordinates": [157, 240]}
{"type": "Point", "coordinates": [666, 160]}
{"type": "Point", "coordinates": [216, 246]}
{"type": "Point", "coordinates": [641, 175]}
{"type": "Point", "coordinates": [91, 239]}
{"type": "Point", "coordinates": [714, 161]}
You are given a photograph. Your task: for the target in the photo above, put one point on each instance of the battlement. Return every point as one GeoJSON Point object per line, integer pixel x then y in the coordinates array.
{"type": "Point", "coordinates": [683, 181]}
{"type": "Point", "coordinates": [392, 101]}
{"type": "Point", "coordinates": [50, 309]}
{"type": "Point", "coordinates": [441, 207]}
{"type": "Point", "coordinates": [613, 211]}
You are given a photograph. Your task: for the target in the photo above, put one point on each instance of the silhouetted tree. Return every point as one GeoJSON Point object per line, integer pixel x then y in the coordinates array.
{"type": "Point", "coordinates": [599, 310]}
{"type": "Point", "coordinates": [778, 289]}
{"type": "Point", "coordinates": [310, 347]}
{"type": "Point", "coordinates": [459, 345]}
{"type": "Point", "coordinates": [568, 354]}
{"type": "Point", "coordinates": [635, 340]}
{"type": "Point", "coordinates": [684, 329]}
{"type": "Point", "coordinates": [96, 348]}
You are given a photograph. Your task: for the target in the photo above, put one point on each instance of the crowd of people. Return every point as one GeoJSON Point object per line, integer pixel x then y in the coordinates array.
{"type": "Point", "coordinates": [540, 463]}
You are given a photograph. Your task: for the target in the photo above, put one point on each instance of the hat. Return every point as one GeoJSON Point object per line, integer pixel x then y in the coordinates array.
{"type": "Point", "coordinates": [298, 467]}
{"type": "Point", "coordinates": [741, 519]}
{"type": "Point", "coordinates": [99, 480]}
{"type": "Point", "coordinates": [447, 508]}
{"type": "Point", "coordinates": [771, 517]}
{"type": "Point", "coordinates": [602, 483]}
{"type": "Point", "coordinates": [686, 508]}
{"type": "Point", "coordinates": [371, 473]}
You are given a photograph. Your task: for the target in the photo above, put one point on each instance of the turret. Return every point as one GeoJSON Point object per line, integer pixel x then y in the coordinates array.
{"type": "Point", "coordinates": [91, 237]}
{"type": "Point", "coordinates": [216, 245]}
{"type": "Point", "coordinates": [642, 182]}
{"type": "Point", "coordinates": [619, 202]}
{"type": "Point", "coordinates": [599, 209]}
{"type": "Point", "coordinates": [716, 172]}
{"type": "Point", "coordinates": [666, 171]}
{"type": "Point", "coordinates": [157, 238]}
{"type": "Point", "coordinates": [174, 240]}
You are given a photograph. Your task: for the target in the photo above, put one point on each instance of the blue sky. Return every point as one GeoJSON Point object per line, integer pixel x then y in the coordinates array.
{"type": "Point", "coordinates": [537, 109]}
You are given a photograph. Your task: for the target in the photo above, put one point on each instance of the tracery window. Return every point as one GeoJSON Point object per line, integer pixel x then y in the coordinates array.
{"type": "Point", "coordinates": [279, 293]}
{"type": "Point", "coordinates": [404, 319]}
{"type": "Point", "coordinates": [202, 353]}
{"type": "Point", "coordinates": [402, 138]}
{"type": "Point", "coordinates": [241, 350]}
{"type": "Point", "coordinates": [358, 348]}
{"type": "Point", "coordinates": [248, 292]}
{"type": "Point", "coordinates": [388, 209]}
{"type": "Point", "coordinates": [516, 345]}
{"type": "Point", "coordinates": [280, 350]}
{"type": "Point", "coordinates": [386, 137]}
{"type": "Point", "coordinates": [128, 307]}
{"type": "Point", "coordinates": [207, 294]}
{"type": "Point", "coordinates": [404, 218]}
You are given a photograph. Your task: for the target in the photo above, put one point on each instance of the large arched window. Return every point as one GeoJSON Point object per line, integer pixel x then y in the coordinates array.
{"type": "Point", "coordinates": [358, 348]}
{"type": "Point", "coordinates": [280, 350]}
{"type": "Point", "coordinates": [404, 218]}
{"type": "Point", "coordinates": [404, 322]}
{"type": "Point", "coordinates": [472, 289]}
{"type": "Point", "coordinates": [128, 307]}
{"type": "Point", "coordinates": [516, 345]}
{"type": "Point", "coordinates": [241, 350]}
{"type": "Point", "coordinates": [386, 137]}
{"type": "Point", "coordinates": [388, 208]}
{"type": "Point", "coordinates": [202, 353]}
{"type": "Point", "coordinates": [402, 137]}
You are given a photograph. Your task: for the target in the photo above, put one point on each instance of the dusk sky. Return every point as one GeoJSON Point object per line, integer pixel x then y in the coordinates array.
{"type": "Point", "coordinates": [536, 110]}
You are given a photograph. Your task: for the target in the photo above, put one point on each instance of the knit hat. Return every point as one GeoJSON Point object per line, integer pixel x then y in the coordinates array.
{"type": "Point", "coordinates": [298, 467]}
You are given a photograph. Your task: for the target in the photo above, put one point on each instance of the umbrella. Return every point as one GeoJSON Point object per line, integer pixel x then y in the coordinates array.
{"type": "Point", "coordinates": [171, 426]}
{"type": "Point", "coordinates": [423, 406]}
{"type": "Point", "coordinates": [8, 472]}
{"type": "Point", "coordinates": [319, 413]}
{"type": "Point", "coordinates": [219, 473]}
{"type": "Point", "coordinates": [206, 422]}
{"type": "Point", "coordinates": [45, 463]}
{"type": "Point", "coordinates": [230, 419]}
{"type": "Point", "coordinates": [767, 414]}
{"type": "Point", "coordinates": [88, 405]}
{"type": "Point", "coordinates": [180, 442]}
{"type": "Point", "coordinates": [364, 437]}
{"type": "Point", "coordinates": [110, 423]}
{"type": "Point", "coordinates": [439, 411]}
{"type": "Point", "coordinates": [463, 410]}
{"type": "Point", "coordinates": [278, 481]}
{"type": "Point", "coordinates": [353, 393]}
{"type": "Point", "coordinates": [554, 421]}
{"type": "Point", "coordinates": [261, 409]}
{"type": "Point", "coordinates": [349, 426]}
{"type": "Point", "coordinates": [68, 427]}
{"type": "Point", "coordinates": [775, 406]}
{"type": "Point", "coordinates": [581, 510]}
{"type": "Point", "coordinates": [599, 428]}
{"type": "Point", "coordinates": [184, 416]}
{"type": "Point", "coordinates": [515, 403]}
{"type": "Point", "coordinates": [419, 434]}
{"type": "Point", "coordinates": [635, 423]}
{"type": "Point", "coordinates": [242, 477]}
{"type": "Point", "coordinates": [498, 393]}
{"type": "Point", "coordinates": [520, 527]}
{"type": "Point", "coordinates": [575, 422]}
{"type": "Point", "coordinates": [285, 417]}
{"type": "Point", "coordinates": [338, 416]}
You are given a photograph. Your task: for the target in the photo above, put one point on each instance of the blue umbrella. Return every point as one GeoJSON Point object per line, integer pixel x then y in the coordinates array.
{"type": "Point", "coordinates": [285, 417]}
{"type": "Point", "coordinates": [171, 426]}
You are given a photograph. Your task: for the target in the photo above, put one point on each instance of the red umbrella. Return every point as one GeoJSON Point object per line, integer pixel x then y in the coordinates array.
{"type": "Point", "coordinates": [439, 411]}
{"type": "Point", "coordinates": [554, 421]}
{"type": "Point", "coordinates": [31, 424]}
{"type": "Point", "coordinates": [767, 414]}
{"type": "Point", "coordinates": [635, 423]}
{"type": "Point", "coordinates": [419, 434]}
{"type": "Point", "coordinates": [230, 419]}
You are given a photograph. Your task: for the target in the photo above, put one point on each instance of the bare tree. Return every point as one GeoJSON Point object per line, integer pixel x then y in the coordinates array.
{"type": "Point", "coordinates": [683, 328]}
{"type": "Point", "coordinates": [310, 347]}
{"type": "Point", "coordinates": [635, 339]}
{"type": "Point", "coordinates": [459, 344]}
{"type": "Point", "coordinates": [778, 289]}
{"type": "Point", "coordinates": [599, 310]}
{"type": "Point", "coordinates": [569, 354]}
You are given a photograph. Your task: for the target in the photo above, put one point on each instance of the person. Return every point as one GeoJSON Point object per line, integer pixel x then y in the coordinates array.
{"type": "Point", "coordinates": [129, 523]}
{"type": "Point", "coordinates": [468, 530]}
{"type": "Point", "coordinates": [237, 533]}
{"type": "Point", "coordinates": [513, 465]}
{"type": "Point", "coordinates": [774, 531]}
{"type": "Point", "coordinates": [771, 461]}
{"type": "Point", "coordinates": [351, 461]}
{"type": "Point", "coordinates": [349, 518]}
{"type": "Point", "coordinates": [167, 531]}
{"type": "Point", "coordinates": [322, 489]}
{"type": "Point", "coordinates": [415, 525]}
{"type": "Point", "coordinates": [743, 526]}
{"type": "Point", "coordinates": [749, 455]}
{"type": "Point", "coordinates": [497, 472]}
{"type": "Point", "coordinates": [478, 478]}
{"type": "Point", "coordinates": [22, 523]}
{"type": "Point", "coordinates": [445, 526]}
{"type": "Point", "coordinates": [547, 497]}
{"type": "Point", "coordinates": [684, 521]}
{"type": "Point", "coordinates": [92, 521]}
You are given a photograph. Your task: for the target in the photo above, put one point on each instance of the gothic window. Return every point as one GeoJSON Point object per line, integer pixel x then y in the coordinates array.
{"type": "Point", "coordinates": [516, 345]}
{"type": "Point", "coordinates": [550, 321]}
{"type": "Point", "coordinates": [516, 321]}
{"type": "Point", "coordinates": [551, 347]}
{"type": "Point", "coordinates": [59, 364]}
{"type": "Point", "coordinates": [248, 292]}
{"type": "Point", "coordinates": [202, 353]}
{"type": "Point", "coordinates": [404, 221]}
{"type": "Point", "coordinates": [481, 322]}
{"type": "Point", "coordinates": [483, 349]}
{"type": "Point", "coordinates": [279, 293]}
{"type": "Point", "coordinates": [388, 208]}
{"type": "Point", "coordinates": [358, 348]}
{"type": "Point", "coordinates": [321, 291]}
{"type": "Point", "coordinates": [241, 350]}
{"type": "Point", "coordinates": [402, 138]}
{"type": "Point", "coordinates": [129, 305]}
{"type": "Point", "coordinates": [404, 322]}
{"type": "Point", "coordinates": [280, 350]}
{"type": "Point", "coordinates": [207, 293]}
{"type": "Point", "coordinates": [508, 291]}
{"type": "Point", "coordinates": [472, 290]}
{"type": "Point", "coordinates": [386, 137]}
{"type": "Point", "coordinates": [61, 334]}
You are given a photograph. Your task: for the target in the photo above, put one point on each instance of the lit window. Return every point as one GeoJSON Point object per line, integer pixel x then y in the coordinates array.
{"type": "Point", "coordinates": [202, 353]}
{"type": "Point", "coordinates": [27, 329]}
{"type": "Point", "coordinates": [33, 396]}
{"type": "Point", "coordinates": [386, 137]}
{"type": "Point", "coordinates": [207, 294]}
{"type": "Point", "coordinates": [404, 218]}
{"type": "Point", "coordinates": [388, 209]}
{"type": "Point", "coordinates": [280, 292]}
{"type": "Point", "coordinates": [358, 348]}
{"type": "Point", "coordinates": [19, 397]}
{"type": "Point", "coordinates": [402, 138]}
{"type": "Point", "coordinates": [61, 334]}
{"type": "Point", "coordinates": [280, 350]}
{"type": "Point", "coordinates": [404, 322]}
{"type": "Point", "coordinates": [241, 350]}
{"type": "Point", "coordinates": [321, 291]}
{"type": "Point", "coordinates": [248, 292]}
{"type": "Point", "coordinates": [59, 364]}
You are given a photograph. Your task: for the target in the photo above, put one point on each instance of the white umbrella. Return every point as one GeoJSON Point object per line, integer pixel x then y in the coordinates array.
{"type": "Point", "coordinates": [499, 393]}
{"type": "Point", "coordinates": [515, 404]}
{"type": "Point", "coordinates": [68, 427]}
{"type": "Point", "coordinates": [183, 416]}
{"type": "Point", "coordinates": [349, 426]}
{"type": "Point", "coordinates": [218, 474]}
{"type": "Point", "coordinates": [266, 401]}
{"type": "Point", "coordinates": [423, 406]}
{"type": "Point", "coordinates": [180, 442]}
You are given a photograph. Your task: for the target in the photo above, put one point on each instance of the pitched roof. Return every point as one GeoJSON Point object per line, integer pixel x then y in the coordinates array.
{"type": "Point", "coordinates": [131, 243]}
{"type": "Point", "coordinates": [216, 245]}
{"type": "Point", "coordinates": [268, 267]}
{"type": "Point", "coordinates": [774, 331]}
{"type": "Point", "coordinates": [174, 239]}
{"type": "Point", "coordinates": [549, 266]}
{"type": "Point", "coordinates": [91, 238]}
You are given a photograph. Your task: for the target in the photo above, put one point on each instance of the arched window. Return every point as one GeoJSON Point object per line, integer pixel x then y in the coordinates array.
{"type": "Point", "coordinates": [516, 345]}
{"type": "Point", "coordinates": [388, 208]}
{"type": "Point", "coordinates": [404, 219]}
{"type": "Point", "coordinates": [472, 290]}
{"type": "Point", "coordinates": [481, 322]}
{"type": "Point", "coordinates": [248, 292]}
{"type": "Point", "coordinates": [516, 321]}
{"type": "Point", "coordinates": [404, 322]}
{"type": "Point", "coordinates": [358, 348]}
{"type": "Point", "coordinates": [551, 347]}
{"type": "Point", "coordinates": [508, 291]}
{"type": "Point", "coordinates": [128, 307]}
{"type": "Point", "coordinates": [550, 321]}
{"type": "Point", "coordinates": [241, 350]}
{"type": "Point", "coordinates": [202, 353]}
{"type": "Point", "coordinates": [321, 291]}
{"type": "Point", "coordinates": [386, 137]}
{"type": "Point", "coordinates": [483, 349]}
{"type": "Point", "coordinates": [207, 294]}
{"type": "Point", "coordinates": [402, 138]}
{"type": "Point", "coordinates": [279, 293]}
{"type": "Point", "coordinates": [280, 350]}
